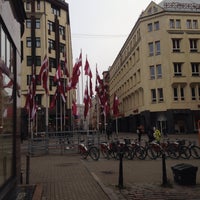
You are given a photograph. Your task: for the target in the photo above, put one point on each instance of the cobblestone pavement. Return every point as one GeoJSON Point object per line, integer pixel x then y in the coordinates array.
{"type": "Point", "coordinates": [70, 177]}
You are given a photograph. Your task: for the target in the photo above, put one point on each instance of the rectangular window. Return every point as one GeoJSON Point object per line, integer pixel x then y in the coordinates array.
{"type": "Point", "coordinates": [152, 72]}
{"type": "Point", "coordinates": [51, 44]}
{"type": "Point", "coordinates": [182, 93]}
{"type": "Point", "coordinates": [151, 53]}
{"type": "Point", "coordinates": [38, 4]}
{"type": "Point", "coordinates": [157, 46]}
{"type": "Point", "coordinates": [153, 95]}
{"type": "Point", "coordinates": [171, 23]}
{"type": "Point", "coordinates": [160, 95]}
{"type": "Point", "coordinates": [178, 23]}
{"type": "Point", "coordinates": [177, 69]}
{"type": "Point", "coordinates": [38, 61]}
{"type": "Point", "coordinates": [37, 42]}
{"type": "Point", "coordinates": [175, 93]}
{"type": "Point", "coordinates": [159, 71]}
{"type": "Point", "coordinates": [51, 26]}
{"type": "Point", "coordinates": [28, 23]}
{"type": "Point", "coordinates": [28, 42]}
{"type": "Point", "coordinates": [195, 24]}
{"type": "Point", "coordinates": [156, 26]}
{"type": "Point", "coordinates": [37, 23]}
{"type": "Point", "coordinates": [195, 69]}
{"type": "Point", "coordinates": [189, 24]}
{"type": "Point", "coordinates": [176, 45]}
{"type": "Point", "coordinates": [29, 60]}
{"type": "Point", "coordinates": [28, 5]}
{"type": "Point", "coordinates": [150, 27]}
{"type": "Point", "coordinates": [193, 93]}
{"type": "Point", "coordinates": [193, 45]}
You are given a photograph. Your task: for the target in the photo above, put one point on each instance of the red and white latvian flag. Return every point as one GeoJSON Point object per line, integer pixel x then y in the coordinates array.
{"type": "Point", "coordinates": [115, 106]}
{"type": "Point", "coordinates": [43, 75]}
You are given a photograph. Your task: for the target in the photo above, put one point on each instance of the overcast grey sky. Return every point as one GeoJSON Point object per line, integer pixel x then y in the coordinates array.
{"type": "Point", "coordinates": [100, 27]}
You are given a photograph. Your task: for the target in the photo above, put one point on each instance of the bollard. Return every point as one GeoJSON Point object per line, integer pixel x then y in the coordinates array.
{"type": "Point", "coordinates": [27, 168]}
{"type": "Point", "coordinates": [164, 177]}
{"type": "Point", "coordinates": [120, 181]}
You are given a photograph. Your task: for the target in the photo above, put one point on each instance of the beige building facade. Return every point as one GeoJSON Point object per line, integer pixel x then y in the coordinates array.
{"type": "Point", "coordinates": [156, 74]}
{"type": "Point", "coordinates": [47, 32]}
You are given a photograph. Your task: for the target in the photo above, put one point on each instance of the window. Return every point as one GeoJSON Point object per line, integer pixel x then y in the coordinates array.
{"type": "Point", "coordinates": [61, 30]}
{"type": "Point", "coordinates": [28, 42]}
{"type": "Point", "coordinates": [171, 23]}
{"type": "Point", "coordinates": [159, 71]}
{"type": "Point", "coordinates": [195, 24]}
{"type": "Point", "coordinates": [28, 23]}
{"type": "Point", "coordinates": [177, 69]}
{"type": "Point", "coordinates": [152, 72]}
{"type": "Point", "coordinates": [52, 63]}
{"type": "Point", "coordinates": [157, 45]}
{"type": "Point", "coordinates": [38, 4]}
{"type": "Point", "coordinates": [38, 61]}
{"type": "Point", "coordinates": [195, 69]}
{"type": "Point", "coordinates": [193, 45]}
{"type": "Point", "coordinates": [37, 42]}
{"type": "Point", "coordinates": [51, 26]}
{"type": "Point", "coordinates": [153, 95]}
{"type": "Point", "coordinates": [176, 45]}
{"type": "Point", "coordinates": [62, 48]}
{"type": "Point", "coordinates": [175, 93]}
{"type": "Point", "coordinates": [178, 23]}
{"type": "Point", "coordinates": [156, 26]}
{"type": "Point", "coordinates": [182, 93]}
{"type": "Point", "coordinates": [28, 5]}
{"type": "Point", "coordinates": [37, 23]}
{"type": "Point", "coordinates": [189, 24]}
{"type": "Point", "coordinates": [29, 60]}
{"type": "Point", "coordinates": [160, 95]}
{"type": "Point", "coordinates": [151, 49]}
{"type": "Point", "coordinates": [193, 93]}
{"type": "Point", "coordinates": [55, 11]}
{"type": "Point", "coordinates": [150, 27]}
{"type": "Point", "coordinates": [51, 44]}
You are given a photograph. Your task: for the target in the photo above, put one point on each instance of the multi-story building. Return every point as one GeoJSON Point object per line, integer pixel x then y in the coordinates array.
{"type": "Point", "coordinates": [47, 33]}
{"type": "Point", "coordinates": [156, 74]}
{"type": "Point", "coordinates": [12, 16]}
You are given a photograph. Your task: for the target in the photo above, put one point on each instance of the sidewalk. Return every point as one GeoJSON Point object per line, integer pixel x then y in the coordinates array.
{"type": "Point", "coordinates": [69, 177]}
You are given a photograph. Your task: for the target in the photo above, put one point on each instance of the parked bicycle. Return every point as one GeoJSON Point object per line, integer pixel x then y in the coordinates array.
{"type": "Point", "coordinates": [91, 151]}
{"type": "Point", "coordinates": [194, 150]}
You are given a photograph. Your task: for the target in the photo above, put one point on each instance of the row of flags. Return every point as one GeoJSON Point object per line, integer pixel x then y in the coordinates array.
{"type": "Point", "coordinates": [61, 89]}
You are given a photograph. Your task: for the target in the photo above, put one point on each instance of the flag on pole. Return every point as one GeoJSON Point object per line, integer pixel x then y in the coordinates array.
{"type": "Point", "coordinates": [86, 101]}
{"type": "Point", "coordinates": [75, 74]}
{"type": "Point", "coordinates": [74, 108]}
{"type": "Point", "coordinates": [115, 106]}
{"type": "Point", "coordinates": [43, 75]}
{"type": "Point", "coordinates": [65, 69]}
{"type": "Point", "coordinates": [87, 69]}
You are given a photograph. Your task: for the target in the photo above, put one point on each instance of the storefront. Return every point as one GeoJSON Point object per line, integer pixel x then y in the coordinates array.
{"type": "Point", "coordinates": [10, 59]}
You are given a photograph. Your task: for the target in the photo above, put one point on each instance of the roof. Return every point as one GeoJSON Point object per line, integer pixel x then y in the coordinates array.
{"type": "Point", "coordinates": [180, 5]}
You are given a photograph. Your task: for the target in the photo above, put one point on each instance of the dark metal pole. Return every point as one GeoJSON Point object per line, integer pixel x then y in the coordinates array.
{"type": "Point", "coordinates": [164, 178]}
{"type": "Point", "coordinates": [27, 168]}
{"type": "Point", "coordinates": [120, 183]}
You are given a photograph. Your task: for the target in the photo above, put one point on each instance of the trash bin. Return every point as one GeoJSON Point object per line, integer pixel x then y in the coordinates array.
{"type": "Point", "coordinates": [184, 174]}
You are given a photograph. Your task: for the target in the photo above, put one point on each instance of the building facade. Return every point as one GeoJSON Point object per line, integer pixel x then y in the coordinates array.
{"type": "Point", "coordinates": [156, 73]}
{"type": "Point", "coordinates": [12, 18]}
{"type": "Point", "coordinates": [47, 33]}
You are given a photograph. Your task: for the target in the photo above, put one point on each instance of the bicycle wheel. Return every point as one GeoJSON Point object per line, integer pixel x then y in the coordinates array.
{"type": "Point", "coordinates": [184, 152]}
{"type": "Point", "coordinates": [195, 152]}
{"type": "Point", "coordinates": [172, 152]}
{"type": "Point", "coordinates": [105, 153]}
{"type": "Point", "coordinates": [152, 153]}
{"type": "Point", "coordinates": [94, 153]}
{"type": "Point", "coordinates": [140, 153]}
